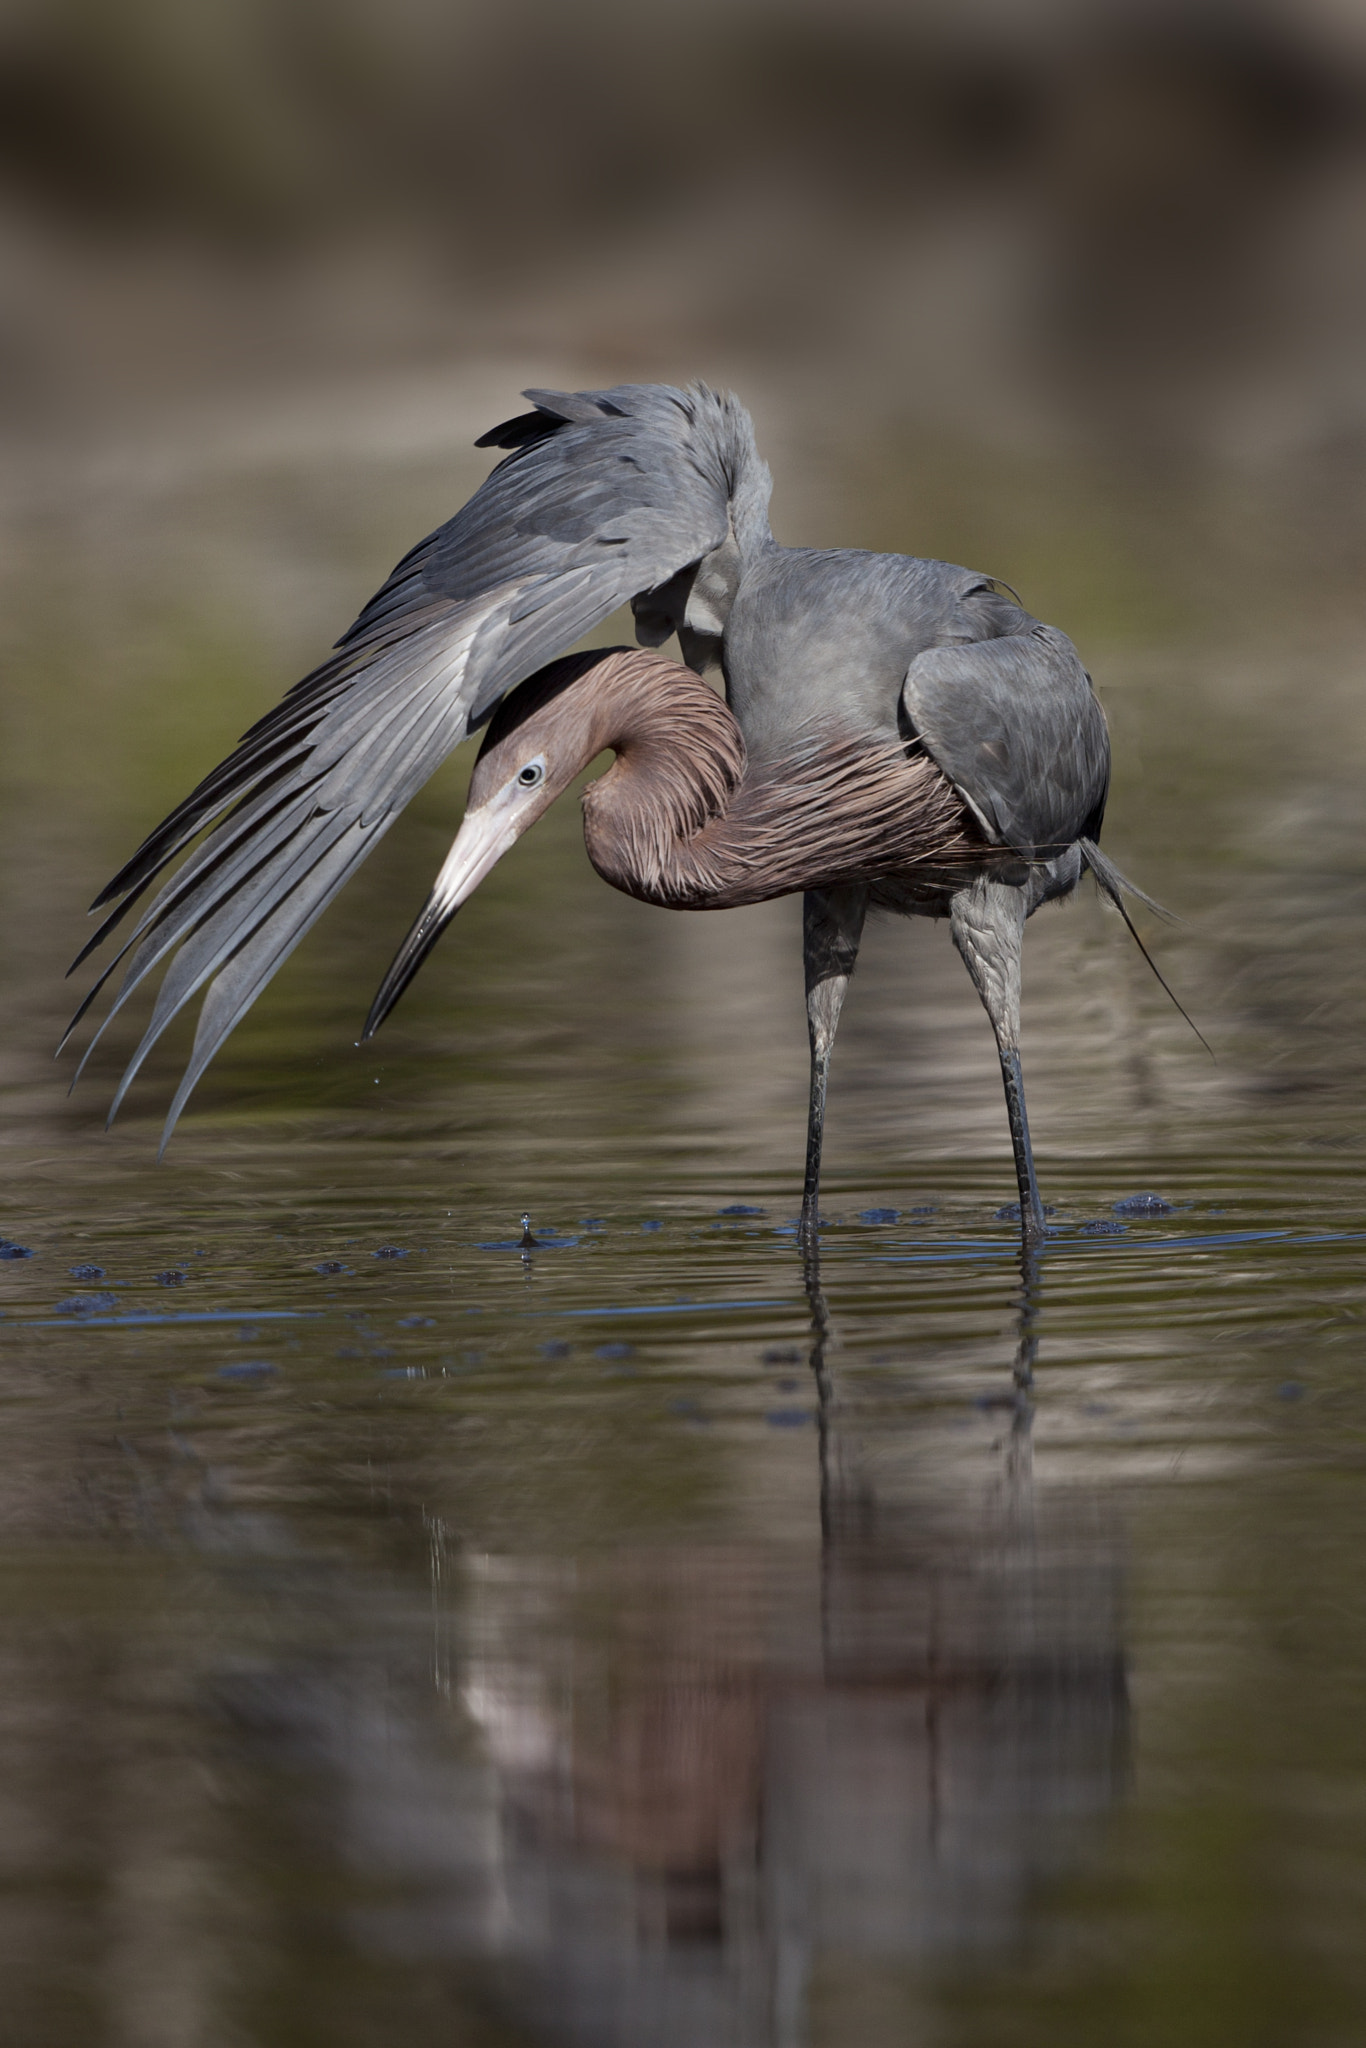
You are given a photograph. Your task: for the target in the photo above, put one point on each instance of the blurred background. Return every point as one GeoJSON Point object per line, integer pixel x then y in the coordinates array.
{"type": "Point", "coordinates": [1041, 223]}
{"type": "Point", "coordinates": [322, 1661]}
{"type": "Point", "coordinates": [1131, 221]}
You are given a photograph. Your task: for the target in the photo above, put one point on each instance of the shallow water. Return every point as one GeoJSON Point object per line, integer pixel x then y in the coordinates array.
{"type": "Point", "coordinates": [650, 1638]}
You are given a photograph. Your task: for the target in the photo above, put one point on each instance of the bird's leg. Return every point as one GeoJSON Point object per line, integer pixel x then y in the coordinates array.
{"type": "Point", "coordinates": [987, 921]}
{"type": "Point", "coordinates": [832, 925]}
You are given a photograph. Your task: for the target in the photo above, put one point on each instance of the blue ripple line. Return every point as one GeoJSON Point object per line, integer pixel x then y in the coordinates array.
{"type": "Point", "coordinates": [951, 1250]}
{"type": "Point", "coordinates": [207, 1315]}
{"type": "Point", "coordinates": [1230, 1237]}
{"type": "Point", "coordinates": [664, 1308]}
{"type": "Point", "coordinates": [990, 1248]}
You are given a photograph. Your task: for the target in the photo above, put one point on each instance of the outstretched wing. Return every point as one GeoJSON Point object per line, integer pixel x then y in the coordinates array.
{"type": "Point", "coordinates": [1015, 725]}
{"type": "Point", "coordinates": [604, 495]}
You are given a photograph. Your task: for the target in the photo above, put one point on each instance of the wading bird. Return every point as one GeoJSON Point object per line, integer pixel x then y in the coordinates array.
{"type": "Point", "coordinates": [895, 732]}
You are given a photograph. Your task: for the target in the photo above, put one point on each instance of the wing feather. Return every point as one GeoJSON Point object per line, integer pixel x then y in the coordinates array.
{"type": "Point", "coordinates": [602, 497]}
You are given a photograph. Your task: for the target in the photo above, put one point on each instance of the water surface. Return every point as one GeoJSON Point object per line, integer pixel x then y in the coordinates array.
{"type": "Point", "coordinates": [652, 1638]}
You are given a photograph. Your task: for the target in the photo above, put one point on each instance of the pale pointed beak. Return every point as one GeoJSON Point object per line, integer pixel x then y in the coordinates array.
{"type": "Point", "coordinates": [484, 837]}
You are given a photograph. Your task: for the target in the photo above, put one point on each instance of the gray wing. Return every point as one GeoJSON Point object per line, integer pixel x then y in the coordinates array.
{"type": "Point", "coordinates": [1015, 725]}
{"type": "Point", "coordinates": [604, 495]}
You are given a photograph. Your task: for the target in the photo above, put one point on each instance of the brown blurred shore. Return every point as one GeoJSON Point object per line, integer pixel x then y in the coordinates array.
{"type": "Point", "coordinates": [1042, 224]}
{"type": "Point", "coordinates": [1073, 293]}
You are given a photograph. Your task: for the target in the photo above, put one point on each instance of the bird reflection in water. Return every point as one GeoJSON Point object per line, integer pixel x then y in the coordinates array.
{"type": "Point", "coordinates": [722, 1771]}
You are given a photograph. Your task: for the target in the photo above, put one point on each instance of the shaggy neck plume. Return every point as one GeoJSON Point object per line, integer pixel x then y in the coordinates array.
{"type": "Point", "coordinates": [682, 820]}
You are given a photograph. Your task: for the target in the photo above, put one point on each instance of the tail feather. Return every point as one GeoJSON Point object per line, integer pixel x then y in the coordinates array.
{"type": "Point", "coordinates": [1116, 887]}
{"type": "Point", "coordinates": [1114, 883]}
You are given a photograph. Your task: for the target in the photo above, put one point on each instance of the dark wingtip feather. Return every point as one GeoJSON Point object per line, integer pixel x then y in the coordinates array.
{"type": "Point", "coordinates": [65, 1038]}
{"type": "Point", "coordinates": [554, 411]}
{"type": "Point", "coordinates": [521, 431]}
{"type": "Point", "coordinates": [156, 849]}
{"type": "Point", "coordinates": [101, 934]}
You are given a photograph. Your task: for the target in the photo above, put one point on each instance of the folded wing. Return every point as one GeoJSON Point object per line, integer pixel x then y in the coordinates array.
{"type": "Point", "coordinates": [1015, 725]}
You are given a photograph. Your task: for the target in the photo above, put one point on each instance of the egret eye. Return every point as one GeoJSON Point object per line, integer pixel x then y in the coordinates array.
{"type": "Point", "coordinates": [533, 773]}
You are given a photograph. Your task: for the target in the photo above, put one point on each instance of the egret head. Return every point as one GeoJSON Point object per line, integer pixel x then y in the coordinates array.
{"type": "Point", "coordinates": [539, 739]}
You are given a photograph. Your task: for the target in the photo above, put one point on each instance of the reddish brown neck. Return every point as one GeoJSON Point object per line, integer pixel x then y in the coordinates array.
{"type": "Point", "coordinates": [681, 819]}
{"type": "Point", "coordinates": [679, 768]}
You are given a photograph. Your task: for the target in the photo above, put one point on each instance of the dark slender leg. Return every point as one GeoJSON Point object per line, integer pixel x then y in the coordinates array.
{"type": "Point", "coordinates": [987, 921]}
{"type": "Point", "coordinates": [832, 925]}
{"type": "Point", "coordinates": [1026, 1178]}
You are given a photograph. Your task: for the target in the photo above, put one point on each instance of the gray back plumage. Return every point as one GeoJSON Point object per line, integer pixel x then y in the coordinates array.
{"type": "Point", "coordinates": [890, 645]}
{"type": "Point", "coordinates": [822, 634]}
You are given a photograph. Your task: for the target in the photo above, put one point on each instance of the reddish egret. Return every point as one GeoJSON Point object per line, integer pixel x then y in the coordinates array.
{"type": "Point", "coordinates": [896, 732]}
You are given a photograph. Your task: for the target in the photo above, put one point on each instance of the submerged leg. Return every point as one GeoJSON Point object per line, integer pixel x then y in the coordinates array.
{"type": "Point", "coordinates": [832, 925]}
{"type": "Point", "coordinates": [987, 921]}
